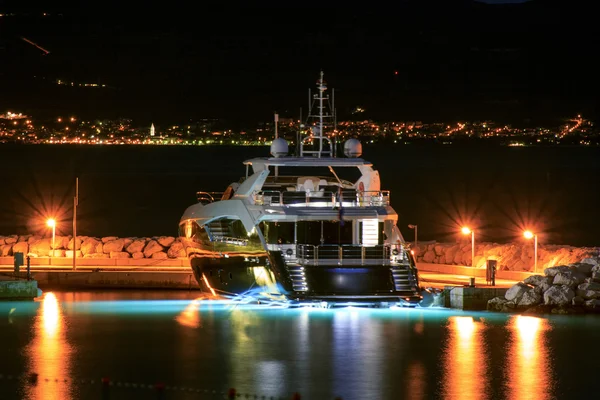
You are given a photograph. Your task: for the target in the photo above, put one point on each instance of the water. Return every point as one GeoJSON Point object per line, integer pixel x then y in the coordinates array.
{"type": "Point", "coordinates": [143, 190]}
{"type": "Point", "coordinates": [169, 337]}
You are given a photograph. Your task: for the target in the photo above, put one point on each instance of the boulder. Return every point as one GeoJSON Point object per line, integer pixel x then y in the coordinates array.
{"type": "Point", "coordinates": [136, 246]}
{"type": "Point", "coordinates": [558, 295]}
{"type": "Point", "coordinates": [584, 286]}
{"type": "Point", "coordinates": [176, 250]}
{"type": "Point", "coordinates": [595, 277]}
{"type": "Point", "coordinates": [112, 246]}
{"type": "Point", "coordinates": [22, 247]}
{"type": "Point", "coordinates": [592, 305]}
{"type": "Point", "coordinates": [535, 280]}
{"type": "Point", "coordinates": [95, 255]}
{"type": "Point", "coordinates": [577, 301]}
{"type": "Point", "coordinates": [530, 298]}
{"type": "Point", "coordinates": [127, 242]}
{"type": "Point", "coordinates": [509, 306]}
{"type": "Point", "coordinates": [429, 256]}
{"type": "Point", "coordinates": [570, 278]}
{"type": "Point", "coordinates": [57, 253]}
{"type": "Point", "coordinates": [1, 240]}
{"type": "Point", "coordinates": [166, 241]}
{"type": "Point", "coordinates": [516, 291]}
{"type": "Point", "coordinates": [137, 255]}
{"type": "Point", "coordinates": [496, 304]}
{"type": "Point", "coordinates": [36, 238]}
{"type": "Point", "coordinates": [109, 239]}
{"type": "Point", "coordinates": [151, 248]}
{"type": "Point", "coordinates": [587, 294]}
{"type": "Point", "coordinates": [89, 246]}
{"type": "Point", "coordinates": [6, 250]}
{"type": "Point", "coordinates": [24, 238]}
{"type": "Point", "coordinates": [119, 254]}
{"type": "Point", "coordinates": [159, 255]}
{"type": "Point", "coordinates": [78, 244]}
{"type": "Point", "coordinates": [584, 268]}
{"type": "Point", "coordinates": [592, 261]}
{"type": "Point", "coordinates": [11, 239]}
{"type": "Point", "coordinates": [552, 271]}
{"type": "Point", "coordinates": [69, 254]}
{"type": "Point", "coordinates": [41, 247]}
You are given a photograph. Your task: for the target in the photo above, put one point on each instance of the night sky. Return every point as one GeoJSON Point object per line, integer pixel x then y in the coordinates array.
{"type": "Point", "coordinates": [525, 62]}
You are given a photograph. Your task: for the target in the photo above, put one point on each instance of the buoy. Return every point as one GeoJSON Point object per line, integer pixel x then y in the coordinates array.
{"type": "Point", "coordinates": [159, 386]}
{"type": "Point", "coordinates": [231, 393]}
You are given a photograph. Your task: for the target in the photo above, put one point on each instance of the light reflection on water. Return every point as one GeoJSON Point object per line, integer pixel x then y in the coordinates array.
{"type": "Point", "coordinates": [352, 352]}
{"type": "Point", "coordinates": [465, 362]}
{"type": "Point", "coordinates": [529, 370]}
{"type": "Point", "coordinates": [50, 352]}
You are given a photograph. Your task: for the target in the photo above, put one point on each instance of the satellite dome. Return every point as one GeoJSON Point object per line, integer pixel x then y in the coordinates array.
{"type": "Point", "coordinates": [279, 148]}
{"type": "Point", "coordinates": [352, 148]}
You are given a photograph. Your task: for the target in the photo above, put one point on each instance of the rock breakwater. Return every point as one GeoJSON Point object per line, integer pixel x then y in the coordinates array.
{"type": "Point", "coordinates": [509, 257]}
{"type": "Point", "coordinates": [563, 289]}
{"type": "Point", "coordinates": [158, 247]}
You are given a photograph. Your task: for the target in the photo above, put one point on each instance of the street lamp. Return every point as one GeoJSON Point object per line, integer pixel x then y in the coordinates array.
{"type": "Point", "coordinates": [411, 226]}
{"type": "Point", "coordinates": [530, 235]}
{"type": "Point", "coordinates": [52, 224]}
{"type": "Point", "coordinates": [467, 231]}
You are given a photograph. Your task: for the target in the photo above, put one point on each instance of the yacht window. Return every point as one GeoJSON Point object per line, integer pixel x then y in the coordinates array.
{"type": "Point", "coordinates": [279, 232]}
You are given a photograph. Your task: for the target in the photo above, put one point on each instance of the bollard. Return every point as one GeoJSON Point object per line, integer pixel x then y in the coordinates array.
{"type": "Point", "coordinates": [231, 393]}
{"type": "Point", "coordinates": [472, 282]}
{"type": "Point", "coordinates": [296, 396]}
{"type": "Point", "coordinates": [28, 268]}
{"type": "Point", "coordinates": [105, 388]}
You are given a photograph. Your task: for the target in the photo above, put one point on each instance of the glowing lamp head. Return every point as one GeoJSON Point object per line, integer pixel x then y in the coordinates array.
{"type": "Point", "coordinates": [528, 234]}
{"type": "Point", "coordinates": [51, 223]}
{"type": "Point", "coordinates": [465, 230]}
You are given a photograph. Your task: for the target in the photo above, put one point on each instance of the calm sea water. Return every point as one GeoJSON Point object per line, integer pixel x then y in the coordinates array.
{"type": "Point", "coordinates": [73, 340]}
{"type": "Point", "coordinates": [143, 190]}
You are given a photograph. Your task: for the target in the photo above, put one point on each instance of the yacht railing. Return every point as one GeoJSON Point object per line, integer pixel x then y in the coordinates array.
{"type": "Point", "coordinates": [351, 254]}
{"type": "Point", "coordinates": [323, 198]}
{"type": "Point", "coordinates": [230, 240]}
{"type": "Point", "coordinates": [208, 197]}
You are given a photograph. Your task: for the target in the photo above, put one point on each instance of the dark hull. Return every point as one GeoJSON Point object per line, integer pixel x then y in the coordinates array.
{"type": "Point", "coordinates": [267, 275]}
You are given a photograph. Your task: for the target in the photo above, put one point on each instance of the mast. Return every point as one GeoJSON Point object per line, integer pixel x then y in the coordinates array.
{"type": "Point", "coordinates": [321, 101]}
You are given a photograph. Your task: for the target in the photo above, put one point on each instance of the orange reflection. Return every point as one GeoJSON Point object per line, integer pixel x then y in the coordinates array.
{"type": "Point", "coordinates": [465, 374]}
{"type": "Point", "coordinates": [416, 381]}
{"type": "Point", "coordinates": [190, 317]}
{"type": "Point", "coordinates": [49, 353]}
{"type": "Point", "coordinates": [528, 367]}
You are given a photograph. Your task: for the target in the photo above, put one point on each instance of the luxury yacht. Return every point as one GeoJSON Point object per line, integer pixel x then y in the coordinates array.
{"type": "Point", "coordinates": [304, 228]}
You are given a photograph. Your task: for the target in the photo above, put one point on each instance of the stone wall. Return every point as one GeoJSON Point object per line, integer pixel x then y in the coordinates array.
{"type": "Point", "coordinates": [509, 257]}
{"type": "Point", "coordinates": [161, 247]}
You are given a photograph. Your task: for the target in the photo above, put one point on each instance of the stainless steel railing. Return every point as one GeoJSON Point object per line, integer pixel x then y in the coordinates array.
{"type": "Point", "coordinates": [331, 254]}
{"type": "Point", "coordinates": [325, 198]}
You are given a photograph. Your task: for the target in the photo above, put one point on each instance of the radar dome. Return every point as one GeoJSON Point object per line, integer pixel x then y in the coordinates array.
{"type": "Point", "coordinates": [279, 148]}
{"type": "Point", "coordinates": [352, 148]}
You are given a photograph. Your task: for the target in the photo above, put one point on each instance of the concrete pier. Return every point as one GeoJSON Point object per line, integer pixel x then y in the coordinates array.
{"type": "Point", "coordinates": [18, 289]}
{"type": "Point", "coordinates": [116, 280]}
{"type": "Point", "coordinates": [471, 298]}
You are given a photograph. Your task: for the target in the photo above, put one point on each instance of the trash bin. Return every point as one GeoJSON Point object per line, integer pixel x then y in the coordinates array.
{"type": "Point", "coordinates": [490, 272]}
{"type": "Point", "coordinates": [18, 259]}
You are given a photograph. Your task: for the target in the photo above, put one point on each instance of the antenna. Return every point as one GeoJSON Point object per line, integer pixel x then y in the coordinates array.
{"type": "Point", "coordinates": [319, 127]}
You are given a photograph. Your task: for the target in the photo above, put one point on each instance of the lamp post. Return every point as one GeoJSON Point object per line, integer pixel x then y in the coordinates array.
{"type": "Point", "coordinates": [52, 224]}
{"type": "Point", "coordinates": [411, 226]}
{"type": "Point", "coordinates": [529, 235]}
{"type": "Point", "coordinates": [467, 231]}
